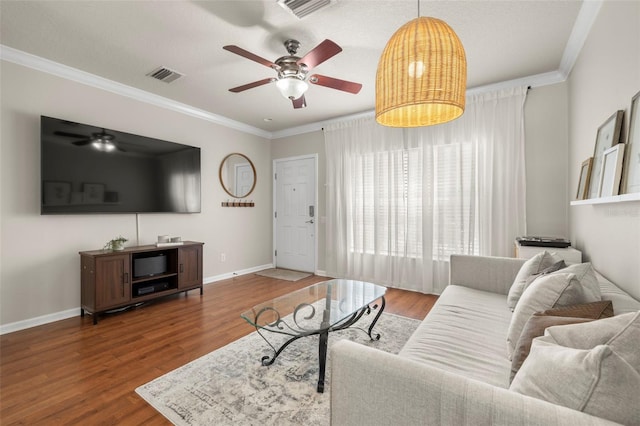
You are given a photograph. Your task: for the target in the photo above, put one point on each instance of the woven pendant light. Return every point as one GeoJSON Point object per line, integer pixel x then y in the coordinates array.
{"type": "Point", "coordinates": [422, 75]}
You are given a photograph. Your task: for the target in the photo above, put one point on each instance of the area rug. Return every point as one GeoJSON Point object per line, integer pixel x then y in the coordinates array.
{"type": "Point", "coordinates": [230, 387]}
{"type": "Point", "coordinates": [283, 274]}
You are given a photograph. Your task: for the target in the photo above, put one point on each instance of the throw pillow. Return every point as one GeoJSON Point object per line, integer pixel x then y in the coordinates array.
{"type": "Point", "coordinates": [553, 268]}
{"type": "Point", "coordinates": [608, 331]}
{"type": "Point", "coordinates": [550, 291]}
{"type": "Point", "coordinates": [586, 275]}
{"type": "Point", "coordinates": [532, 267]}
{"type": "Point", "coordinates": [540, 321]}
{"type": "Point", "coordinates": [592, 367]}
{"type": "Point", "coordinates": [594, 310]}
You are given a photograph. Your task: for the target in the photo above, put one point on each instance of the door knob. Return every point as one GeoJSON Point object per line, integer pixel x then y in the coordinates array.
{"type": "Point", "coordinates": [309, 221]}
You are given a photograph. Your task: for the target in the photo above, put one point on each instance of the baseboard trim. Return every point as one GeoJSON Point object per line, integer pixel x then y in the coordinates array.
{"type": "Point", "coordinates": [70, 313]}
{"type": "Point", "coordinates": [41, 320]}
{"type": "Point", "coordinates": [221, 277]}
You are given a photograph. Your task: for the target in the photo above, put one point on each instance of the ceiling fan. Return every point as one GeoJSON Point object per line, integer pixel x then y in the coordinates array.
{"type": "Point", "coordinates": [102, 141]}
{"type": "Point", "coordinates": [292, 71]}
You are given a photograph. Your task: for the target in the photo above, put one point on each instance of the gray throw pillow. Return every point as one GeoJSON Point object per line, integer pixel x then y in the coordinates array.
{"type": "Point", "coordinates": [531, 268]}
{"type": "Point", "coordinates": [540, 321]}
{"type": "Point", "coordinates": [592, 367]}
{"type": "Point", "coordinates": [586, 275]}
{"type": "Point", "coordinates": [550, 291]}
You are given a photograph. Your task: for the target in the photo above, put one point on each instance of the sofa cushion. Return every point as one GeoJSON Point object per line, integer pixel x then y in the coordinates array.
{"type": "Point", "coordinates": [553, 290]}
{"type": "Point", "coordinates": [622, 301]}
{"type": "Point", "coordinates": [464, 334]}
{"type": "Point", "coordinates": [529, 271]}
{"type": "Point", "coordinates": [592, 367]}
{"type": "Point", "coordinates": [540, 321]}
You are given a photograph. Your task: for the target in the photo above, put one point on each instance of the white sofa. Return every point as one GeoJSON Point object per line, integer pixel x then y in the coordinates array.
{"type": "Point", "coordinates": [454, 369]}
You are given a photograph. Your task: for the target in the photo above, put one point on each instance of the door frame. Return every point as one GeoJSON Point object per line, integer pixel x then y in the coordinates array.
{"type": "Point", "coordinates": [275, 201]}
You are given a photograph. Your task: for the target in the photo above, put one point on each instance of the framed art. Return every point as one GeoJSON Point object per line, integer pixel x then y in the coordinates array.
{"type": "Point", "coordinates": [611, 171]}
{"type": "Point", "coordinates": [56, 193]}
{"type": "Point", "coordinates": [93, 193]}
{"type": "Point", "coordinates": [608, 135]}
{"type": "Point", "coordinates": [585, 177]}
{"type": "Point", "coordinates": [631, 169]}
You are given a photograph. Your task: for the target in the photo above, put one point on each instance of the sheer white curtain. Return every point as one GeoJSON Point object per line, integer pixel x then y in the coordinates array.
{"type": "Point", "coordinates": [400, 201]}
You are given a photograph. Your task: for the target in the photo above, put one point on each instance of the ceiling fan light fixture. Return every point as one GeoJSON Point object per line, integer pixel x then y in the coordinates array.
{"type": "Point", "coordinates": [292, 87]}
{"type": "Point", "coordinates": [422, 75]}
{"type": "Point", "coordinates": [103, 145]}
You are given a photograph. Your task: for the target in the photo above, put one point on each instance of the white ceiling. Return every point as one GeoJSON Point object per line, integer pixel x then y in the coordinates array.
{"type": "Point", "coordinates": [124, 40]}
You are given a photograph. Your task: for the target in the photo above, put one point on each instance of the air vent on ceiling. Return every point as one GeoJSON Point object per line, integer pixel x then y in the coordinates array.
{"type": "Point", "coordinates": [165, 74]}
{"type": "Point", "coordinates": [302, 8]}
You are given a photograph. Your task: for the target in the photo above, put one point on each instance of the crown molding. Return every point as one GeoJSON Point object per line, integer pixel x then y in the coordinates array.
{"type": "Point", "coordinates": [581, 28]}
{"type": "Point", "coordinates": [537, 80]}
{"type": "Point", "coordinates": [319, 125]}
{"type": "Point", "coordinates": [28, 60]}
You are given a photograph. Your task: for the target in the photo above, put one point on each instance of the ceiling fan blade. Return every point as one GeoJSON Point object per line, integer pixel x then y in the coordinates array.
{"type": "Point", "coordinates": [252, 85]}
{"type": "Point", "coordinates": [69, 135]}
{"type": "Point", "coordinates": [301, 102]}
{"type": "Point", "coordinates": [82, 142]}
{"type": "Point", "coordinates": [335, 83]}
{"type": "Point", "coordinates": [246, 54]}
{"type": "Point", "coordinates": [319, 54]}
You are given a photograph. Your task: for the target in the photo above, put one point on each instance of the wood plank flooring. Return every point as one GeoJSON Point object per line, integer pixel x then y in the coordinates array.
{"type": "Point", "coordinates": [72, 372]}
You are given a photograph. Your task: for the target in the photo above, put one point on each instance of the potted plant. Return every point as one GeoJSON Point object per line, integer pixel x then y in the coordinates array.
{"type": "Point", "coordinates": [117, 244]}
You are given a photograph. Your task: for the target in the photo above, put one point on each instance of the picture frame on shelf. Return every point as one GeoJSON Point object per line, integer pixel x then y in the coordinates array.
{"type": "Point", "coordinates": [631, 169]}
{"type": "Point", "coordinates": [611, 171]}
{"type": "Point", "coordinates": [608, 136]}
{"type": "Point", "coordinates": [585, 177]}
{"type": "Point", "coordinates": [56, 193]}
{"type": "Point", "coordinates": [93, 193]}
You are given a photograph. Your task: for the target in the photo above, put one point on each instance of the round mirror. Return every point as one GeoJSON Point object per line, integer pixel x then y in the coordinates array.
{"type": "Point", "coordinates": [237, 175]}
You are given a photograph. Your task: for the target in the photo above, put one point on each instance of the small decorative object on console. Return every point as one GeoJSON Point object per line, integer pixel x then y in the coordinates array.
{"type": "Point", "coordinates": [167, 241]}
{"type": "Point", "coordinates": [117, 244]}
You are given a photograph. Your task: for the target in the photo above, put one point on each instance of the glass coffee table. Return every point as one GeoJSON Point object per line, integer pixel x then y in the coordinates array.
{"type": "Point", "coordinates": [316, 310]}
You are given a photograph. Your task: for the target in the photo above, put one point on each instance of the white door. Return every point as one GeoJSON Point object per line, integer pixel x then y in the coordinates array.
{"type": "Point", "coordinates": [295, 214]}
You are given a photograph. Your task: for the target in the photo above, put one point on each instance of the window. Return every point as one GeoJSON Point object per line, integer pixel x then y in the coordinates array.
{"type": "Point", "coordinates": [401, 201]}
{"type": "Point", "coordinates": [387, 190]}
{"type": "Point", "coordinates": [455, 221]}
{"type": "Point", "coordinates": [388, 202]}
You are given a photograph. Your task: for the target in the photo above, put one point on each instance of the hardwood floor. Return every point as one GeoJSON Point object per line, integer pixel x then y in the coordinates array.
{"type": "Point", "coordinates": [72, 372]}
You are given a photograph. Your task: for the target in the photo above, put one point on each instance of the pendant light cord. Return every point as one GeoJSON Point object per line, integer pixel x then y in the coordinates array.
{"type": "Point", "coordinates": [418, 8]}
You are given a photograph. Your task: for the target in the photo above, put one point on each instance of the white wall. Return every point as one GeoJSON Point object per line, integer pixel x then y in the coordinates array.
{"type": "Point", "coordinates": [603, 80]}
{"type": "Point", "coordinates": [39, 263]}
{"type": "Point", "coordinates": [546, 157]}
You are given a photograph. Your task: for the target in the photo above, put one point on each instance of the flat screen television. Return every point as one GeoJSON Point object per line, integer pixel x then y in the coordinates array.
{"type": "Point", "coordinates": [90, 169]}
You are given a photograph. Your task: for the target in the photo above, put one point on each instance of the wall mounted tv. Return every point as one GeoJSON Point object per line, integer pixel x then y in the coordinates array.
{"type": "Point", "coordinates": [89, 169]}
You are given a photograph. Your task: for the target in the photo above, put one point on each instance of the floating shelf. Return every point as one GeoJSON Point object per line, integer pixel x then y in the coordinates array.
{"type": "Point", "coordinates": [608, 200]}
